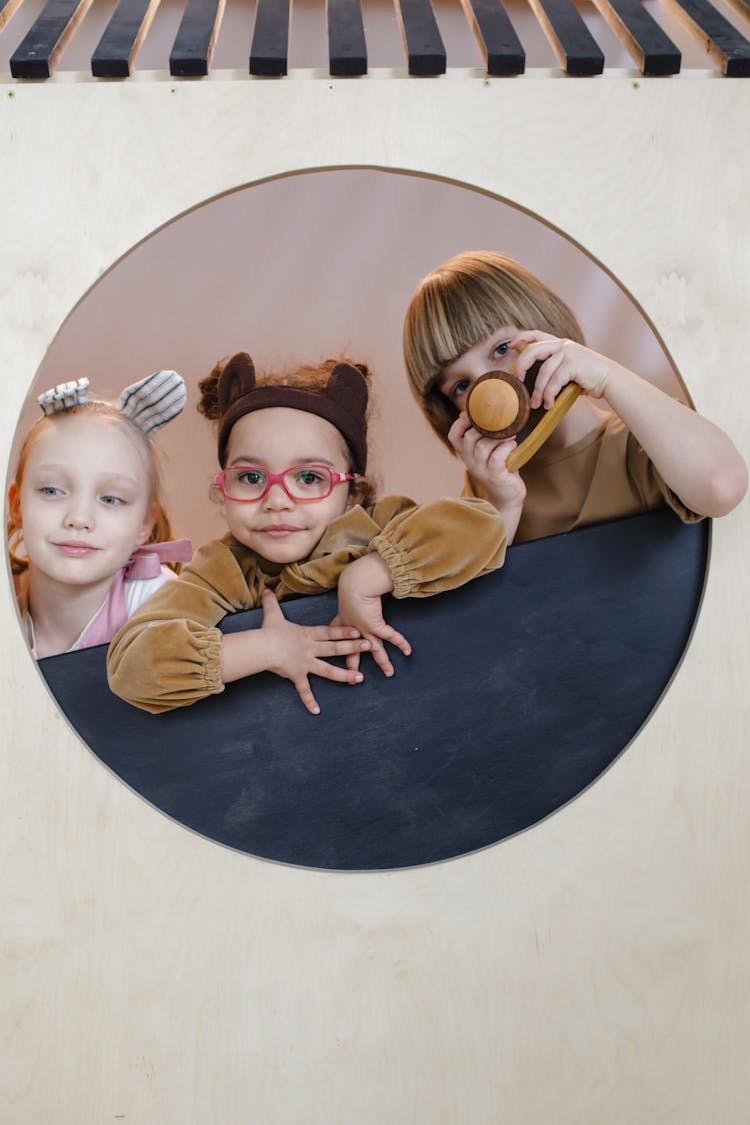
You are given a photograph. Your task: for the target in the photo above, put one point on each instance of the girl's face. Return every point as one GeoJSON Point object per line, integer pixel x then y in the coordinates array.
{"type": "Point", "coordinates": [491, 354]}
{"type": "Point", "coordinates": [278, 528]}
{"type": "Point", "coordinates": [84, 501]}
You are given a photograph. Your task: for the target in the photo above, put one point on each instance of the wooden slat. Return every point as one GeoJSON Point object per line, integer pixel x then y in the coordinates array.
{"type": "Point", "coordinates": [422, 41]}
{"type": "Point", "coordinates": [496, 37]}
{"type": "Point", "coordinates": [742, 7]}
{"type": "Point", "coordinates": [641, 36]}
{"type": "Point", "coordinates": [196, 38]}
{"type": "Point", "coordinates": [726, 46]}
{"type": "Point", "coordinates": [8, 8]}
{"type": "Point", "coordinates": [41, 49]}
{"type": "Point", "coordinates": [347, 51]}
{"type": "Point", "coordinates": [269, 52]}
{"type": "Point", "coordinates": [118, 47]}
{"type": "Point", "coordinates": [572, 42]}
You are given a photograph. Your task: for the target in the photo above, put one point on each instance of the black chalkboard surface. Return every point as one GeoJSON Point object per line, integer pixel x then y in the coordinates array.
{"type": "Point", "coordinates": [522, 688]}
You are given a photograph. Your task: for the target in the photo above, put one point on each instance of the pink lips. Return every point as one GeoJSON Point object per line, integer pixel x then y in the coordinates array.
{"type": "Point", "coordinates": [76, 550]}
{"type": "Point", "coordinates": [280, 531]}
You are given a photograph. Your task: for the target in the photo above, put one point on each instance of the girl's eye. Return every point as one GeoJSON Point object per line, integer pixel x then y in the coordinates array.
{"type": "Point", "coordinates": [459, 389]}
{"type": "Point", "coordinates": [309, 478]}
{"type": "Point", "coordinates": [252, 477]}
{"type": "Point", "coordinates": [502, 348]}
{"type": "Point", "coordinates": [50, 490]}
{"type": "Point", "coordinates": [111, 501]}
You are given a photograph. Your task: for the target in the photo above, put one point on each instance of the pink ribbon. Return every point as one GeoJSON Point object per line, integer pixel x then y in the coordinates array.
{"type": "Point", "coordinates": [145, 562]}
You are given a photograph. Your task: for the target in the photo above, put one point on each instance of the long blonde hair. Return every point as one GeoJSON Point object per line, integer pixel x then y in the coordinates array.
{"type": "Point", "coordinates": [463, 302]}
{"type": "Point", "coordinates": [162, 528]}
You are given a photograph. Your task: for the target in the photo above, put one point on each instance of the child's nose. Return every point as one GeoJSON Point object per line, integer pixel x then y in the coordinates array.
{"type": "Point", "coordinates": [79, 516]}
{"type": "Point", "coordinates": [276, 497]}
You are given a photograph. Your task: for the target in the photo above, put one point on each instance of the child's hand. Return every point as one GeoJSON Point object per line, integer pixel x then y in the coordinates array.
{"type": "Point", "coordinates": [485, 460]}
{"type": "Point", "coordinates": [295, 651]}
{"type": "Point", "coordinates": [361, 586]}
{"type": "Point", "coordinates": [563, 361]}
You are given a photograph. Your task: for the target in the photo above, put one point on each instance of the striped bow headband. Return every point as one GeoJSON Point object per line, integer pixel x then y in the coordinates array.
{"type": "Point", "coordinates": [149, 403]}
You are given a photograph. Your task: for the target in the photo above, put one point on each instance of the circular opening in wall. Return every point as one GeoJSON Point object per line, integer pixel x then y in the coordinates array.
{"type": "Point", "coordinates": [522, 686]}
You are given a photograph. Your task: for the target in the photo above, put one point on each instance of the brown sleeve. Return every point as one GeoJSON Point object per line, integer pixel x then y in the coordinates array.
{"type": "Point", "coordinates": [169, 653]}
{"type": "Point", "coordinates": [434, 547]}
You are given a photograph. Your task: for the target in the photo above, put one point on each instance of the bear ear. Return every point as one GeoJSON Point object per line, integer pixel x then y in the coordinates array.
{"type": "Point", "coordinates": [347, 386]}
{"type": "Point", "coordinates": [236, 380]}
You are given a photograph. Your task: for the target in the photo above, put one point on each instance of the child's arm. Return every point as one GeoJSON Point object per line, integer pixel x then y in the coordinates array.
{"type": "Point", "coordinates": [361, 587]}
{"type": "Point", "coordinates": [419, 551]}
{"type": "Point", "coordinates": [695, 459]}
{"type": "Point", "coordinates": [170, 654]}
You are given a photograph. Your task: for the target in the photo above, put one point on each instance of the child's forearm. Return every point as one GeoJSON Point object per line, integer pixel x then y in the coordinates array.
{"type": "Point", "coordinates": [695, 458]}
{"type": "Point", "coordinates": [243, 654]}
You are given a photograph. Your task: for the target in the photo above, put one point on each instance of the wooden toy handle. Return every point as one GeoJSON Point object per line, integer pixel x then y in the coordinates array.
{"type": "Point", "coordinates": [526, 450]}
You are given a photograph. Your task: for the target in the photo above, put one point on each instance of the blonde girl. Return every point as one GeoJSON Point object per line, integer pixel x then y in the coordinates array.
{"type": "Point", "coordinates": [301, 519]}
{"type": "Point", "coordinates": [624, 447]}
{"type": "Point", "coordinates": [87, 531]}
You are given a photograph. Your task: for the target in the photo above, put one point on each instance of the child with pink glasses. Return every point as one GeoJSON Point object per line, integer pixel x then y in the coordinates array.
{"type": "Point", "coordinates": [302, 519]}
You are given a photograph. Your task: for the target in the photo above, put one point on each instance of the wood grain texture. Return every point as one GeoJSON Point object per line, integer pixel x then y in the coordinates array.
{"type": "Point", "coordinates": [592, 969]}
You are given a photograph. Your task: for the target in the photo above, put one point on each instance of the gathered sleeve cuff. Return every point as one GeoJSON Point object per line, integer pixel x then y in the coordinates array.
{"type": "Point", "coordinates": [168, 654]}
{"type": "Point", "coordinates": [441, 545]}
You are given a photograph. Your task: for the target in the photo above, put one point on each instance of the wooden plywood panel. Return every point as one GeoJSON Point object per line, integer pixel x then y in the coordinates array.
{"type": "Point", "coordinates": [573, 974]}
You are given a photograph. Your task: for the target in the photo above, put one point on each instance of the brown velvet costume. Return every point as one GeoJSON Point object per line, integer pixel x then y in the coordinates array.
{"type": "Point", "coordinates": [169, 653]}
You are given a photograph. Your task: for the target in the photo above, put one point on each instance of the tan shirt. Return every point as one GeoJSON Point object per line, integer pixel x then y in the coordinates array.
{"type": "Point", "coordinates": [603, 476]}
{"type": "Point", "coordinates": [169, 653]}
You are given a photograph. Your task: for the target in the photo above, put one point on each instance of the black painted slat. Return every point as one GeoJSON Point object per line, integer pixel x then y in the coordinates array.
{"type": "Point", "coordinates": [40, 51]}
{"type": "Point", "coordinates": [118, 47]}
{"type": "Point", "coordinates": [196, 37]}
{"type": "Point", "coordinates": [641, 36]}
{"type": "Point", "coordinates": [7, 9]}
{"type": "Point", "coordinates": [347, 50]}
{"type": "Point", "coordinates": [496, 37]}
{"type": "Point", "coordinates": [269, 51]}
{"type": "Point", "coordinates": [422, 40]}
{"type": "Point", "coordinates": [728, 48]}
{"type": "Point", "coordinates": [572, 42]}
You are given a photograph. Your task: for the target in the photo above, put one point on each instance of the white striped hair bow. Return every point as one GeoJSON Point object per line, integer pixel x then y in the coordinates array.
{"type": "Point", "coordinates": [149, 403]}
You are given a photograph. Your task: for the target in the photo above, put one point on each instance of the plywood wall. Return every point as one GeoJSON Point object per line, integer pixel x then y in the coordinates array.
{"type": "Point", "coordinates": [592, 969]}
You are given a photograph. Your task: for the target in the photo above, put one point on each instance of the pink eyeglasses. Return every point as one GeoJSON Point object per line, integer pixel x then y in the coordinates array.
{"type": "Point", "coordinates": [247, 484]}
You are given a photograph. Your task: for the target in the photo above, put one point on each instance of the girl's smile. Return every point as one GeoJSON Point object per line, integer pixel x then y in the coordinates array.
{"type": "Point", "coordinates": [278, 528]}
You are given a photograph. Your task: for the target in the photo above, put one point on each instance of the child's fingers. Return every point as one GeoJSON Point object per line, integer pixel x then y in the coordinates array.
{"type": "Point", "coordinates": [352, 662]}
{"type": "Point", "coordinates": [326, 648]}
{"type": "Point", "coordinates": [395, 638]}
{"type": "Point", "coordinates": [333, 632]}
{"type": "Point", "coordinates": [380, 656]}
{"type": "Point", "coordinates": [549, 382]}
{"type": "Point", "coordinates": [270, 605]}
{"type": "Point", "coordinates": [305, 693]}
{"type": "Point", "coordinates": [458, 431]}
{"type": "Point", "coordinates": [333, 672]}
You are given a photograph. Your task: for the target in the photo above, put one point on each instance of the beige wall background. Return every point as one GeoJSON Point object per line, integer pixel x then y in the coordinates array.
{"type": "Point", "coordinates": [591, 969]}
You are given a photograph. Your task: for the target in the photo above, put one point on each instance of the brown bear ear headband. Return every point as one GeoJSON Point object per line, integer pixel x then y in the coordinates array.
{"type": "Point", "coordinates": [343, 402]}
{"type": "Point", "coordinates": [149, 403]}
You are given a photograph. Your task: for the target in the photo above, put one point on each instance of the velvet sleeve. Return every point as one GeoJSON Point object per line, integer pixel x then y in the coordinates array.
{"type": "Point", "coordinates": [169, 653]}
{"type": "Point", "coordinates": [430, 548]}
